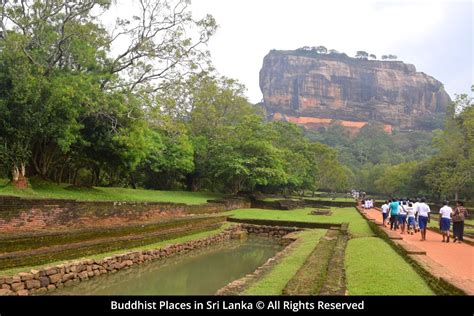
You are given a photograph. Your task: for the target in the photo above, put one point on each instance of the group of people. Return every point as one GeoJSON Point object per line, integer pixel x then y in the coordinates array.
{"type": "Point", "coordinates": [368, 203]}
{"type": "Point", "coordinates": [412, 216]}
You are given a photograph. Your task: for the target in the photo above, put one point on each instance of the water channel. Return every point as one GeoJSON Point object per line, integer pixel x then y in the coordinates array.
{"type": "Point", "coordinates": [199, 272]}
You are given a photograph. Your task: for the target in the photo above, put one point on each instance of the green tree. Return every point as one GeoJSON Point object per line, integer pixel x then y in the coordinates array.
{"type": "Point", "coordinates": [398, 180]}
{"type": "Point", "coordinates": [452, 169]}
{"type": "Point", "coordinates": [62, 80]}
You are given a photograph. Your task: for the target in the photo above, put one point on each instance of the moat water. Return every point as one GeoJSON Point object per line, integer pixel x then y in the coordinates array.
{"type": "Point", "coordinates": [199, 272]}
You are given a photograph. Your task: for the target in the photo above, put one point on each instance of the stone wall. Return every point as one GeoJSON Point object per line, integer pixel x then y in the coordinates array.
{"type": "Point", "coordinates": [288, 204]}
{"type": "Point", "coordinates": [26, 215]}
{"type": "Point", "coordinates": [33, 249]}
{"type": "Point", "coordinates": [268, 230]}
{"type": "Point", "coordinates": [37, 282]}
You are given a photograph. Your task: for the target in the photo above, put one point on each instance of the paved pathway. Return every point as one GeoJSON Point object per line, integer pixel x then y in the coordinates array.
{"type": "Point", "coordinates": [457, 259]}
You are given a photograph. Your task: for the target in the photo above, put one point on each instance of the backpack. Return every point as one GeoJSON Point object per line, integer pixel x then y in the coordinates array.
{"type": "Point", "coordinates": [459, 214]}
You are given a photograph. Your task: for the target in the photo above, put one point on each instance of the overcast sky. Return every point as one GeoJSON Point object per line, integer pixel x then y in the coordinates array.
{"type": "Point", "coordinates": [435, 36]}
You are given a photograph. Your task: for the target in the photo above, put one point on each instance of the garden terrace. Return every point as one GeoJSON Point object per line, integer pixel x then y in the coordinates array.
{"type": "Point", "coordinates": [39, 249]}
{"type": "Point", "coordinates": [33, 215]}
{"type": "Point", "coordinates": [358, 276]}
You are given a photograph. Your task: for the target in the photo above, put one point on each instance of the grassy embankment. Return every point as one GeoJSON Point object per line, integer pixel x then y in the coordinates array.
{"type": "Point", "coordinates": [160, 244]}
{"type": "Point", "coordinates": [372, 266]}
{"type": "Point", "coordinates": [276, 279]}
{"type": "Point", "coordinates": [43, 189]}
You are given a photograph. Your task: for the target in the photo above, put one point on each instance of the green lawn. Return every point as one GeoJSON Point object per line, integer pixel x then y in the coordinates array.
{"type": "Point", "coordinates": [156, 245]}
{"type": "Point", "coordinates": [273, 199]}
{"type": "Point", "coordinates": [358, 226]}
{"type": "Point", "coordinates": [43, 189]}
{"type": "Point", "coordinates": [276, 279]}
{"type": "Point", "coordinates": [374, 268]}
{"type": "Point", "coordinates": [335, 199]}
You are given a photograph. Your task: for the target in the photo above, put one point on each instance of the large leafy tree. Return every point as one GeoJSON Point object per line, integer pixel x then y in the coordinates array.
{"type": "Point", "coordinates": [66, 92]}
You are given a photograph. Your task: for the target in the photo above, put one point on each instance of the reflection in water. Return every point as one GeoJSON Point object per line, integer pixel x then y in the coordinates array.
{"type": "Point", "coordinates": [200, 272]}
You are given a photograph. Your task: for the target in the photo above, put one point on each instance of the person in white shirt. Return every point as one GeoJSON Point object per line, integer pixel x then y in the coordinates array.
{"type": "Point", "coordinates": [415, 208]}
{"type": "Point", "coordinates": [402, 216]}
{"type": "Point", "coordinates": [411, 218]}
{"type": "Point", "coordinates": [445, 220]}
{"type": "Point", "coordinates": [423, 217]}
{"type": "Point", "coordinates": [385, 210]}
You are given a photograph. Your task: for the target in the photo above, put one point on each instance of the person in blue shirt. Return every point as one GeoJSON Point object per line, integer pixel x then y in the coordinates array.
{"type": "Point", "coordinates": [394, 210]}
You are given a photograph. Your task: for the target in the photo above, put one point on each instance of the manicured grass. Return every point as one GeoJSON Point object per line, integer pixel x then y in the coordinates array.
{"type": "Point", "coordinates": [374, 268]}
{"type": "Point", "coordinates": [273, 199]}
{"type": "Point", "coordinates": [335, 199]}
{"type": "Point", "coordinates": [358, 227]}
{"type": "Point", "coordinates": [160, 244]}
{"type": "Point", "coordinates": [276, 279]}
{"type": "Point", "coordinates": [316, 198]}
{"type": "Point", "coordinates": [43, 189]}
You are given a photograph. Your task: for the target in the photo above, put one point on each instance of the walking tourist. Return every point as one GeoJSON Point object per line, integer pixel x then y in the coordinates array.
{"type": "Point", "coordinates": [411, 218]}
{"type": "Point", "coordinates": [459, 215]}
{"type": "Point", "coordinates": [394, 209]}
{"type": "Point", "coordinates": [402, 216]}
{"type": "Point", "coordinates": [385, 209]}
{"type": "Point", "coordinates": [423, 217]}
{"type": "Point", "coordinates": [445, 220]}
{"type": "Point", "coordinates": [415, 209]}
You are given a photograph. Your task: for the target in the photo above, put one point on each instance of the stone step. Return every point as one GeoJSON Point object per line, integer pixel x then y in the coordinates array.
{"type": "Point", "coordinates": [393, 235]}
{"type": "Point", "coordinates": [410, 249]}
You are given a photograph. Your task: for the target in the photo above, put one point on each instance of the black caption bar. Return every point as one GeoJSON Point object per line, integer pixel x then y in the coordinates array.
{"type": "Point", "coordinates": [155, 305]}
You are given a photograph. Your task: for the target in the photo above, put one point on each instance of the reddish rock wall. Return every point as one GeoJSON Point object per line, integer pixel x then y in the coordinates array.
{"type": "Point", "coordinates": [303, 85]}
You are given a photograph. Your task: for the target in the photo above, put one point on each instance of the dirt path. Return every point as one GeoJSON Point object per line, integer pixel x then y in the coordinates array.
{"type": "Point", "coordinates": [457, 258]}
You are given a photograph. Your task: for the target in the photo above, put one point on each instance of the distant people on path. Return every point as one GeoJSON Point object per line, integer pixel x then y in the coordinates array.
{"type": "Point", "coordinates": [411, 218]}
{"type": "Point", "coordinates": [423, 217]}
{"type": "Point", "coordinates": [394, 210]}
{"type": "Point", "coordinates": [368, 203]}
{"type": "Point", "coordinates": [385, 210]}
{"type": "Point", "coordinates": [402, 216]}
{"type": "Point", "coordinates": [459, 215]}
{"type": "Point", "coordinates": [445, 220]}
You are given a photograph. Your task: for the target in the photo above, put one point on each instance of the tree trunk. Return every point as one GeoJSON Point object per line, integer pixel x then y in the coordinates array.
{"type": "Point", "coordinates": [191, 183]}
{"type": "Point", "coordinates": [19, 179]}
{"type": "Point", "coordinates": [456, 196]}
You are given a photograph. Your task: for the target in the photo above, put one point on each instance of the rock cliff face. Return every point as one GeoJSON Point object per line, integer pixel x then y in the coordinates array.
{"type": "Point", "coordinates": [314, 89]}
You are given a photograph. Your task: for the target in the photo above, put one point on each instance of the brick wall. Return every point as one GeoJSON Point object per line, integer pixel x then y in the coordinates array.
{"type": "Point", "coordinates": [24, 215]}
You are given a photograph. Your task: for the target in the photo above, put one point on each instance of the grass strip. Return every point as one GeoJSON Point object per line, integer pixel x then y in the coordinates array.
{"type": "Point", "coordinates": [49, 190]}
{"type": "Point", "coordinates": [374, 268]}
{"type": "Point", "coordinates": [358, 226]}
{"type": "Point", "coordinates": [311, 276]}
{"type": "Point", "coordinates": [276, 279]}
